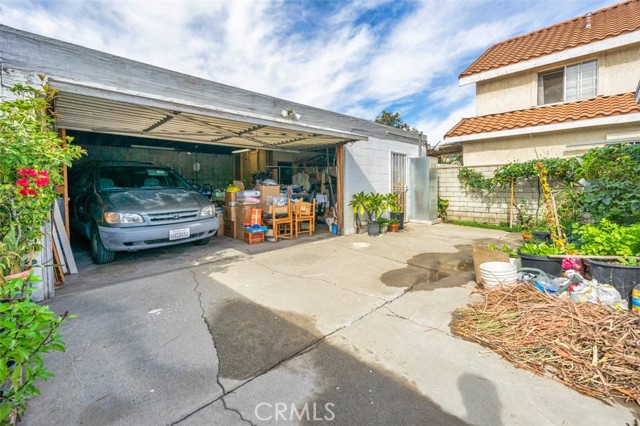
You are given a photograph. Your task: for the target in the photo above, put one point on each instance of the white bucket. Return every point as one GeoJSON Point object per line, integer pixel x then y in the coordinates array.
{"type": "Point", "coordinates": [495, 274]}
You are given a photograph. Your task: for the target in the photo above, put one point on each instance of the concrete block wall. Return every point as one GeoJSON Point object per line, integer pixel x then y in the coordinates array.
{"type": "Point", "coordinates": [215, 169]}
{"type": "Point", "coordinates": [475, 206]}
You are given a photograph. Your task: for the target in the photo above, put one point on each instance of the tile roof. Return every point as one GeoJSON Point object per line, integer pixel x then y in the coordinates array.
{"type": "Point", "coordinates": [605, 23]}
{"type": "Point", "coordinates": [601, 106]}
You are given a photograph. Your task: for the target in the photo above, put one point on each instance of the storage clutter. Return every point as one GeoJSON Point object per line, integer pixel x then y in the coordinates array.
{"type": "Point", "coordinates": [246, 211]}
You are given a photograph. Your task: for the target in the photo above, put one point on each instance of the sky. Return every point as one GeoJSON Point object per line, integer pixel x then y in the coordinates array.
{"type": "Point", "coordinates": [355, 57]}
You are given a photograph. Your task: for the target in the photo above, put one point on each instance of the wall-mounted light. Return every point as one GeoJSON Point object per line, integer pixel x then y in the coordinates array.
{"type": "Point", "coordinates": [289, 113]}
{"type": "Point", "coordinates": [240, 151]}
{"type": "Point", "coordinates": [159, 148]}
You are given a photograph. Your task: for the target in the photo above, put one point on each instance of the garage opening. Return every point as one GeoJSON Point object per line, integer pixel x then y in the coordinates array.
{"type": "Point", "coordinates": [299, 175]}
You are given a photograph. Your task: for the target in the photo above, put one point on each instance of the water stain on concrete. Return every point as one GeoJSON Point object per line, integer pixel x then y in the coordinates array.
{"type": "Point", "coordinates": [428, 271]}
{"type": "Point", "coordinates": [251, 339]}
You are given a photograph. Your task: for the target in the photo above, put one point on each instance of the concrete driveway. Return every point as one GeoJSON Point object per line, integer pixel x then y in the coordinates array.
{"type": "Point", "coordinates": [345, 331]}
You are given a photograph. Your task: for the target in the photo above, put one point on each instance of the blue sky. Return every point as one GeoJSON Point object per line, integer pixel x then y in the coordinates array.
{"type": "Point", "coordinates": [354, 57]}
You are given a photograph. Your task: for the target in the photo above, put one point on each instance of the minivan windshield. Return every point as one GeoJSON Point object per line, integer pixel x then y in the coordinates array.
{"type": "Point", "coordinates": [139, 177]}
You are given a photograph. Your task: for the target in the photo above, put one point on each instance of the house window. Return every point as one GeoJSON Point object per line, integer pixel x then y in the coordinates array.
{"type": "Point", "coordinates": [579, 81]}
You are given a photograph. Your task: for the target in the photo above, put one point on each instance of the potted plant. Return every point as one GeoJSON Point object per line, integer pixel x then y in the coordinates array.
{"type": "Point", "coordinates": [374, 207]}
{"type": "Point", "coordinates": [358, 204]}
{"type": "Point", "coordinates": [392, 203]}
{"type": "Point", "coordinates": [394, 225]}
{"type": "Point", "coordinates": [535, 254]}
{"type": "Point", "coordinates": [384, 224]}
{"type": "Point", "coordinates": [609, 239]}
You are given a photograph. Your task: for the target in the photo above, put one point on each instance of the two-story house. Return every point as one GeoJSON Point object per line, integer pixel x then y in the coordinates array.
{"type": "Point", "coordinates": [555, 92]}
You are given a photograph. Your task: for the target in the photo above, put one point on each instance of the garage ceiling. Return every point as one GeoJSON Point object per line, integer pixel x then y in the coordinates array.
{"type": "Point", "coordinates": [92, 114]}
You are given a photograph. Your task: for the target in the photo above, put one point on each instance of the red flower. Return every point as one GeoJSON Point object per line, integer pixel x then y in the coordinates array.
{"type": "Point", "coordinates": [28, 171]}
{"type": "Point", "coordinates": [44, 172]}
{"type": "Point", "coordinates": [32, 191]}
{"type": "Point", "coordinates": [42, 181]}
{"type": "Point", "coordinates": [24, 191]}
{"type": "Point", "coordinates": [23, 182]}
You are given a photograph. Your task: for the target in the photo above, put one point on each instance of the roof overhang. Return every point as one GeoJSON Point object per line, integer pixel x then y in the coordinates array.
{"type": "Point", "coordinates": [577, 124]}
{"type": "Point", "coordinates": [564, 55]}
{"type": "Point", "coordinates": [90, 108]}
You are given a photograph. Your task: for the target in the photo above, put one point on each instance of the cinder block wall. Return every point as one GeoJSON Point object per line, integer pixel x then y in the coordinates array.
{"type": "Point", "coordinates": [478, 207]}
{"type": "Point", "coordinates": [215, 169]}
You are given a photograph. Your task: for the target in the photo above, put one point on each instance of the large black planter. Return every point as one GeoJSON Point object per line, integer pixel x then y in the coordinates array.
{"type": "Point", "coordinates": [399, 216]}
{"type": "Point", "coordinates": [622, 277]}
{"type": "Point", "coordinates": [373, 229]}
{"type": "Point", "coordinates": [550, 266]}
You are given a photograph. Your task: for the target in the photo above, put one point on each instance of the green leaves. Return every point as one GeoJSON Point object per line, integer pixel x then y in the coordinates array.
{"type": "Point", "coordinates": [608, 239]}
{"type": "Point", "coordinates": [28, 330]}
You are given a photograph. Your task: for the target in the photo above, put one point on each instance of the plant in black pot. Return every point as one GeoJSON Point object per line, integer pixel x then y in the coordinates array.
{"type": "Point", "coordinates": [615, 250]}
{"type": "Point", "coordinates": [374, 207]}
{"type": "Point", "coordinates": [535, 254]}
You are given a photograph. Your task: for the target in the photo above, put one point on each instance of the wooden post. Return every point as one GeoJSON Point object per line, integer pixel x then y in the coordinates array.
{"type": "Point", "coordinates": [65, 193]}
{"type": "Point", "coordinates": [511, 203]}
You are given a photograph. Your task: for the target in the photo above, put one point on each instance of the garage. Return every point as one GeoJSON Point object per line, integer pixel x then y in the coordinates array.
{"type": "Point", "coordinates": [210, 133]}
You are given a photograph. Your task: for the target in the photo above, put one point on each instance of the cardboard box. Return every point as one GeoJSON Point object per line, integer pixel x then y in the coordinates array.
{"type": "Point", "coordinates": [266, 190]}
{"type": "Point", "coordinates": [230, 213]}
{"type": "Point", "coordinates": [239, 231]}
{"type": "Point", "coordinates": [220, 231]}
{"type": "Point", "coordinates": [243, 212]}
{"type": "Point", "coordinates": [269, 209]}
{"type": "Point", "coordinates": [230, 229]}
{"type": "Point", "coordinates": [253, 237]}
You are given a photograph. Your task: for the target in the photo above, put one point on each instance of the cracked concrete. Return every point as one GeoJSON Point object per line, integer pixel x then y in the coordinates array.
{"type": "Point", "coordinates": [343, 331]}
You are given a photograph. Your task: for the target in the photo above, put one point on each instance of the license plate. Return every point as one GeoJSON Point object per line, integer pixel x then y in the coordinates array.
{"type": "Point", "coordinates": [178, 234]}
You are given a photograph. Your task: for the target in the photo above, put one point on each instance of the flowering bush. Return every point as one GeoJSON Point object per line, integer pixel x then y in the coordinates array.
{"type": "Point", "coordinates": [31, 160]}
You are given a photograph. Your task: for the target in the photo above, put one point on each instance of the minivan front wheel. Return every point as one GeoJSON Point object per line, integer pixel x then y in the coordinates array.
{"type": "Point", "coordinates": [99, 254]}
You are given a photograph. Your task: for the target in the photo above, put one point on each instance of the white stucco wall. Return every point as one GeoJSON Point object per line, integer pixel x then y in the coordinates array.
{"type": "Point", "coordinates": [505, 94]}
{"type": "Point", "coordinates": [368, 169]}
{"type": "Point", "coordinates": [528, 147]}
{"type": "Point", "coordinates": [618, 72]}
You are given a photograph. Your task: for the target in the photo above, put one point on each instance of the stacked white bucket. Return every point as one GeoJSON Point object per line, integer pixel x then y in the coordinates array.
{"type": "Point", "coordinates": [495, 274]}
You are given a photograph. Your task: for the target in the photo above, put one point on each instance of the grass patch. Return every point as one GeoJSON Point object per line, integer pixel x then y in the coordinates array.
{"type": "Point", "coordinates": [501, 226]}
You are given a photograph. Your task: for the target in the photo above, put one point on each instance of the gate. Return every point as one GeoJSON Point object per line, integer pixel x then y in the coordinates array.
{"type": "Point", "coordinates": [399, 179]}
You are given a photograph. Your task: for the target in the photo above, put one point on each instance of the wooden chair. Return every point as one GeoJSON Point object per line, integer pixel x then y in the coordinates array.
{"type": "Point", "coordinates": [282, 222]}
{"type": "Point", "coordinates": [305, 212]}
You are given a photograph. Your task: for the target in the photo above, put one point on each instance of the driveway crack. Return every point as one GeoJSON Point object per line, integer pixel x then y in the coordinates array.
{"type": "Point", "coordinates": [394, 314]}
{"type": "Point", "coordinates": [315, 278]}
{"type": "Point", "coordinates": [302, 351]}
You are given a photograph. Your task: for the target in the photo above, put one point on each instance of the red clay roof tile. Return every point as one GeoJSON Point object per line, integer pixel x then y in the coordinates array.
{"type": "Point", "coordinates": [601, 106]}
{"type": "Point", "coordinates": [605, 23]}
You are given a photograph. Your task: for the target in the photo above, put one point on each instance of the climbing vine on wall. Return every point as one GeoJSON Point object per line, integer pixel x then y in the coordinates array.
{"type": "Point", "coordinates": [566, 170]}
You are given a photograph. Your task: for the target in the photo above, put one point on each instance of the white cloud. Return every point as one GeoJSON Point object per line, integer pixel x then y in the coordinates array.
{"type": "Point", "coordinates": [436, 128]}
{"type": "Point", "coordinates": [340, 62]}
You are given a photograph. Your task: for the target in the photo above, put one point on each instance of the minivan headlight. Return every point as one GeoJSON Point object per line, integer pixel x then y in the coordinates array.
{"type": "Point", "coordinates": [115, 217]}
{"type": "Point", "coordinates": [207, 211]}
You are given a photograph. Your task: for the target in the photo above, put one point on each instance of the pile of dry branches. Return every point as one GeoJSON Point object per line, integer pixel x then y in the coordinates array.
{"type": "Point", "coordinates": [591, 348]}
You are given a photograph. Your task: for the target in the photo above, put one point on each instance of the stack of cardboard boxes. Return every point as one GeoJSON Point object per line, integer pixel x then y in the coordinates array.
{"type": "Point", "coordinates": [237, 215]}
